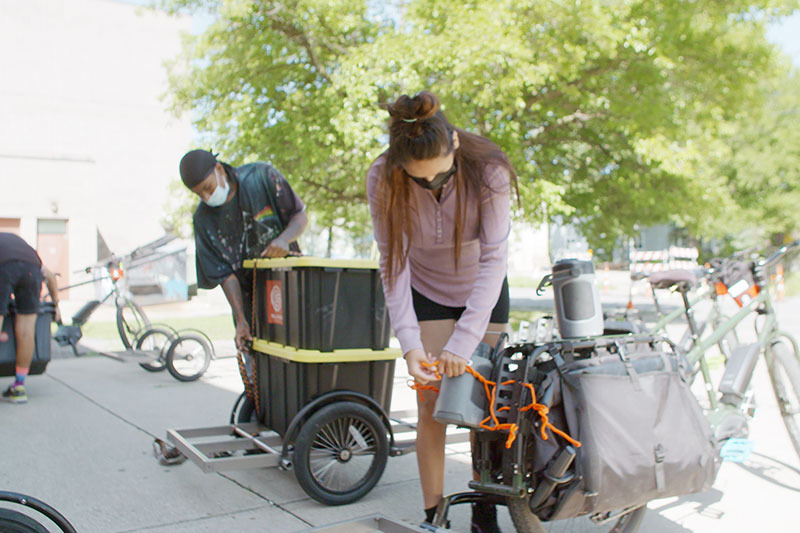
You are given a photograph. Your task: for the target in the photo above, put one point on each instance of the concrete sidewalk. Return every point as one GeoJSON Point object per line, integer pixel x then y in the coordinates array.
{"type": "Point", "coordinates": [83, 444]}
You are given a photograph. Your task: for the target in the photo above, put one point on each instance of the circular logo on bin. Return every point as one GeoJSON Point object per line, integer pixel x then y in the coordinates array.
{"type": "Point", "coordinates": [275, 298]}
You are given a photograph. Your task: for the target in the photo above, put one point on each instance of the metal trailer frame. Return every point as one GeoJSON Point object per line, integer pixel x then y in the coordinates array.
{"type": "Point", "coordinates": [223, 448]}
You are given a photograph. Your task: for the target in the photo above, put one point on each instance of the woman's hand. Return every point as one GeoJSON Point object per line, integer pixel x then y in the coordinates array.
{"type": "Point", "coordinates": [451, 365]}
{"type": "Point", "coordinates": [414, 359]}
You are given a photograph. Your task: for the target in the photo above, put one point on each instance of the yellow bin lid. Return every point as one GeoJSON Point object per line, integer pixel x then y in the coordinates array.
{"type": "Point", "coordinates": [309, 261]}
{"type": "Point", "coordinates": [315, 356]}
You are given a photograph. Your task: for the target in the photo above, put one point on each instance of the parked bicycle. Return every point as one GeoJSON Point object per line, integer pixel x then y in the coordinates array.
{"type": "Point", "coordinates": [730, 404]}
{"type": "Point", "coordinates": [541, 493]}
{"type": "Point", "coordinates": [130, 318]}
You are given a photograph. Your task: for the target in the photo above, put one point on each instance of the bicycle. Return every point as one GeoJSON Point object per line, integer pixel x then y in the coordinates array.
{"type": "Point", "coordinates": [131, 319]}
{"type": "Point", "coordinates": [707, 292]}
{"type": "Point", "coordinates": [506, 477]}
{"type": "Point", "coordinates": [730, 404]}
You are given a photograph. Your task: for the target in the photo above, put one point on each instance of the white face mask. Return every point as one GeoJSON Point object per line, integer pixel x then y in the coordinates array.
{"type": "Point", "coordinates": [219, 195]}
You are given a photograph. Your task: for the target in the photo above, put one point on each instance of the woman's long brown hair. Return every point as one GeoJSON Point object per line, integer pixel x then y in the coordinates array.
{"type": "Point", "coordinates": [418, 130]}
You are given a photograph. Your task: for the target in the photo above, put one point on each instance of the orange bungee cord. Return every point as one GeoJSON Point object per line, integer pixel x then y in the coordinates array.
{"type": "Point", "coordinates": [490, 388]}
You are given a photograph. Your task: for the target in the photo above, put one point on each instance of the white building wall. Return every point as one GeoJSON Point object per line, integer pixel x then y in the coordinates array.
{"type": "Point", "coordinates": [84, 134]}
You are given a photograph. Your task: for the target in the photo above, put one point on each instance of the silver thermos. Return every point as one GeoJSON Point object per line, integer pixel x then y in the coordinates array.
{"type": "Point", "coordinates": [462, 399]}
{"type": "Point", "coordinates": [577, 300]}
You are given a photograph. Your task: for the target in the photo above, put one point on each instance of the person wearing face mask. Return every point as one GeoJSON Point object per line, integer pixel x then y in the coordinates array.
{"type": "Point", "coordinates": [244, 212]}
{"type": "Point", "coordinates": [440, 203]}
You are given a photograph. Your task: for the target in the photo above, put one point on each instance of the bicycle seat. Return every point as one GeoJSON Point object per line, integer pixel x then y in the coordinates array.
{"type": "Point", "coordinates": [682, 280]}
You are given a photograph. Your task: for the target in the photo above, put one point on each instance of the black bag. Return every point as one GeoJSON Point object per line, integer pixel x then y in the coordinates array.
{"type": "Point", "coordinates": [41, 353]}
{"type": "Point", "coordinates": [738, 278]}
{"type": "Point", "coordinates": [643, 435]}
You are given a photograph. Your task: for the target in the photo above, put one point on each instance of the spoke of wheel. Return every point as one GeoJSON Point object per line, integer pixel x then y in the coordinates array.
{"type": "Point", "coordinates": [326, 433]}
{"type": "Point", "coordinates": [323, 442]}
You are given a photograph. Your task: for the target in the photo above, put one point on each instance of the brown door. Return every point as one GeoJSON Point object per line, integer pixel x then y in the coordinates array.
{"type": "Point", "coordinates": [9, 225]}
{"type": "Point", "coordinates": [53, 247]}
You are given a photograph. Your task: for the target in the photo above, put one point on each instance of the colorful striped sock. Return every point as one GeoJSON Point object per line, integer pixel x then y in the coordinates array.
{"type": "Point", "coordinates": [21, 374]}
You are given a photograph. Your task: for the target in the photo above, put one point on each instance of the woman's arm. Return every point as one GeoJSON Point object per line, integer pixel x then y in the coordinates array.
{"type": "Point", "coordinates": [494, 230]}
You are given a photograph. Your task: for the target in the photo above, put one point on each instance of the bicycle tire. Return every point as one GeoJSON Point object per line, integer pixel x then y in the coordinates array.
{"type": "Point", "coordinates": [131, 322]}
{"type": "Point", "coordinates": [526, 522]}
{"type": "Point", "coordinates": [340, 453]}
{"type": "Point", "coordinates": [157, 351]}
{"type": "Point", "coordinates": [15, 522]}
{"type": "Point", "coordinates": [784, 371]}
{"type": "Point", "coordinates": [176, 357]}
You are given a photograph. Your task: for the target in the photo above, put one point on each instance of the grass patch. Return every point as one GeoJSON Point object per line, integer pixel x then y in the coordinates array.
{"type": "Point", "coordinates": [515, 317]}
{"type": "Point", "coordinates": [216, 327]}
{"type": "Point", "coordinates": [524, 282]}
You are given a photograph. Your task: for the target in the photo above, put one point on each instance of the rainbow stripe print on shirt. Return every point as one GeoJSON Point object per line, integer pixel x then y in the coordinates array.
{"type": "Point", "coordinates": [265, 214]}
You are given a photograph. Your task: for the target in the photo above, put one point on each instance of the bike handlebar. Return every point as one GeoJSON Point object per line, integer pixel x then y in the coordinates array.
{"type": "Point", "coordinates": [783, 250]}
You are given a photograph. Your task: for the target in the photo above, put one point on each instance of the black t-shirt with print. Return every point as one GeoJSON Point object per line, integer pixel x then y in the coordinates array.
{"type": "Point", "coordinates": [264, 199]}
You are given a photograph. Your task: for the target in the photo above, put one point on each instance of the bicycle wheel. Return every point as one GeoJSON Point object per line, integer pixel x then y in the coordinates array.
{"type": "Point", "coordinates": [527, 522]}
{"type": "Point", "coordinates": [188, 357]}
{"type": "Point", "coordinates": [154, 344]}
{"type": "Point", "coordinates": [784, 371]}
{"type": "Point", "coordinates": [131, 321]}
{"type": "Point", "coordinates": [340, 453]}
{"type": "Point", "coordinates": [15, 522]}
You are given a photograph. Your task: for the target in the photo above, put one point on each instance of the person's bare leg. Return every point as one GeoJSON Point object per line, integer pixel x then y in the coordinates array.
{"type": "Point", "coordinates": [430, 433]}
{"type": "Point", "coordinates": [3, 334]}
{"type": "Point", "coordinates": [493, 333]}
{"type": "Point", "coordinates": [25, 331]}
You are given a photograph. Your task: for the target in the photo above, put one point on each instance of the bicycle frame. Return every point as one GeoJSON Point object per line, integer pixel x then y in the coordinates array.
{"type": "Point", "coordinates": [767, 332]}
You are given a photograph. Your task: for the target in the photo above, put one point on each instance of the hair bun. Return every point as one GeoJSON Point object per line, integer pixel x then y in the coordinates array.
{"type": "Point", "coordinates": [410, 109]}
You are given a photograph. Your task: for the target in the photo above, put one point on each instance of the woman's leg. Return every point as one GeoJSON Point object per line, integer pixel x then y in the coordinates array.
{"type": "Point", "coordinates": [430, 433]}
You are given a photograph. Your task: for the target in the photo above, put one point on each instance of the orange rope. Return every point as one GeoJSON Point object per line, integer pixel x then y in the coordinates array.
{"type": "Point", "coordinates": [490, 388]}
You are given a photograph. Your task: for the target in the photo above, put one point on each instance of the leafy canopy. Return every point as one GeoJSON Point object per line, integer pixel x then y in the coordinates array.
{"type": "Point", "coordinates": [616, 112]}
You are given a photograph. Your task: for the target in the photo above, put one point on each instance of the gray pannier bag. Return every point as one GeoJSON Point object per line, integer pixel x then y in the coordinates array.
{"type": "Point", "coordinates": [642, 432]}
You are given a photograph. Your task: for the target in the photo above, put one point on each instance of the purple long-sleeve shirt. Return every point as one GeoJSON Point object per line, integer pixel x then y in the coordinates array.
{"type": "Point", "coordinates": [430, 268]}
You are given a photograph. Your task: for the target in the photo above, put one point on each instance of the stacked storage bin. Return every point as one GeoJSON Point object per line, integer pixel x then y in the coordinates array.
{"type": "Point", "coordinates": [320, 325]}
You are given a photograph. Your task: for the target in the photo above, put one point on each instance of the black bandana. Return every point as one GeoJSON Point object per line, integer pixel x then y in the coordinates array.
{"type": "Point", "coordinates": [437, 182]}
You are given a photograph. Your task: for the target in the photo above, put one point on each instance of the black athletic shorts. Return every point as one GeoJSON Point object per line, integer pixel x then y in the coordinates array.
{"type": "Point", "coordinates": [427, 309]}
{"type": "Point", "coordinates": [25, 281]}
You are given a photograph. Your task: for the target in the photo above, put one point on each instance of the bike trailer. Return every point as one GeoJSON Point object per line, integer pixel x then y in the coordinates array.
{"type": "Point", "coordinates": [41, 353]}
{"type": "Point", "coordinates": [641, 431]}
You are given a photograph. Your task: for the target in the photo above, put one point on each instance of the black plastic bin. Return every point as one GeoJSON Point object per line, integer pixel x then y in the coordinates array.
{"type": "Point", "coordinates": [288, 379]}
{"type": "Point", "coordinates": [41, 353]}
{"type": "Point", "coordinates": [312, 303]}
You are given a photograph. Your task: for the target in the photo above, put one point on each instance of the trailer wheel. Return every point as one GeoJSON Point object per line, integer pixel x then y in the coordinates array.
{"type": "Point", "coordinates": [246, 412]}
{"type": "Point", "coordinates": [340, 453]}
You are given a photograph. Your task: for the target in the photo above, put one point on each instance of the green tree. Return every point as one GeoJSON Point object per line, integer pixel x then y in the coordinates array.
{"type": "Point", "coordinates": [616, 113]}
{"type": "Point", "coordinates": [763, 170]}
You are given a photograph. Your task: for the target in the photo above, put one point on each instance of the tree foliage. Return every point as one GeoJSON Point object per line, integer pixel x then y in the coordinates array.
{"type": "Point", "coordinates": [614, 112]}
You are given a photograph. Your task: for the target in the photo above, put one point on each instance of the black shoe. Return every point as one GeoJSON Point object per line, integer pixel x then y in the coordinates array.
{"type": "Point", "coordinates": [484, 518]}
